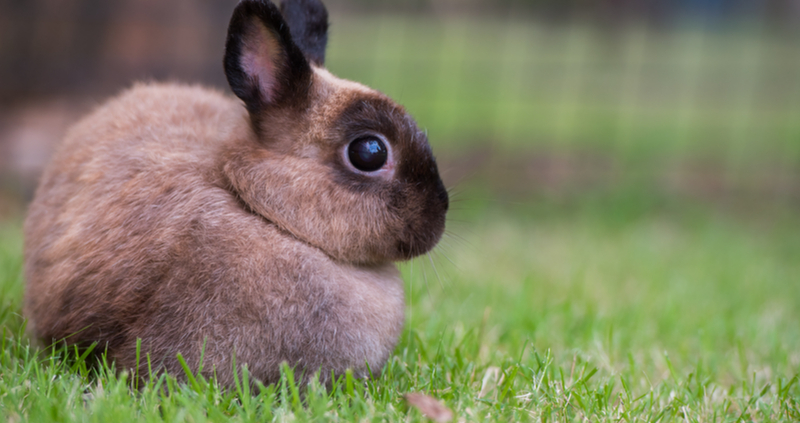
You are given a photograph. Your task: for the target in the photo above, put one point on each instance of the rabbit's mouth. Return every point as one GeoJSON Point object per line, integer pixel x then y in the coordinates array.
{"type": "Point", "coordinates": [424, 230]}
{"type": "Point", "coordinates": [419, 243]}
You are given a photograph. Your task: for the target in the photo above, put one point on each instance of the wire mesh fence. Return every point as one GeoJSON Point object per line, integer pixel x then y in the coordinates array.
{"type": "Point", "coordinates": [638, 91]}
{"type": "Point", "coordinates": [633, 90]}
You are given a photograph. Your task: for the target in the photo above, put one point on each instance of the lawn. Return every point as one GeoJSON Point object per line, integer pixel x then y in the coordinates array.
{"type": "Point", "coordinates": [631, 299]}
{"type": "Point", "coordinates": [599, 309]}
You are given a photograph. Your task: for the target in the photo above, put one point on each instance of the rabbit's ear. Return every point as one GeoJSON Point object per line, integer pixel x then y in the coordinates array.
{"type": "Point", "coordinates": [264, 67]}
{"type": "Point", "coordinates": [308, 22]}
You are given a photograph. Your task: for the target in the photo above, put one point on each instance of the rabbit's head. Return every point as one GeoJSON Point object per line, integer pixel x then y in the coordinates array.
{"type": "Point", "coordinates": [335, 164]}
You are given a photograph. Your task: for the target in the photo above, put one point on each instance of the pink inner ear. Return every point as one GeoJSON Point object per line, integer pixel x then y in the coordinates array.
{"type": "Point", "coordinates": [259, 59]}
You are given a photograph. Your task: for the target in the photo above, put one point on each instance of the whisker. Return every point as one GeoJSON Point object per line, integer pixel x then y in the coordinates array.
{"type": "Point", "coordinates": [439, 278]}
{"type": "Point", "coordinates": [449, 236]}
{"type": "Point", "coordinates": [411, 297]}
{"type": "Point", "coordinates": [425, 279]}
{"type": "Point", "coordinates": [445, 245]}
{"type": "Point", "coordinates": [458, 221]}
{"type": "Point", "coordinates": [448, 259]}
{"type": "Point", "coordinates": [468, 175]}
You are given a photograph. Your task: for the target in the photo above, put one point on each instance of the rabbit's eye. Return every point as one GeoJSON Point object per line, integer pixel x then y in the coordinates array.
{"type": "Point", "coordinates": [367, 154]}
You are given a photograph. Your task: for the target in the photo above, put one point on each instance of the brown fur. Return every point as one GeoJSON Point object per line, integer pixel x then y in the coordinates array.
{"type": "Point", "coordinates": [167, 216]}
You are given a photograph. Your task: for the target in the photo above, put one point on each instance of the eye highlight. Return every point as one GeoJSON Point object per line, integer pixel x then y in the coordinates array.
{"type": "Point", "coordinates": [367, 153]}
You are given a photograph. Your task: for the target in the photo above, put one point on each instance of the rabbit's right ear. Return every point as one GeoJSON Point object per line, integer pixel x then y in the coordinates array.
{"type": "Point", "coordinates": [264, 67]}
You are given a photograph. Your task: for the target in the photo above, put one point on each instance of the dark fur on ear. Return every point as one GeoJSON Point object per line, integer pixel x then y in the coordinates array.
{"type": "Point", "coordinates": [308, 22]}
{"type": "Point", "coordinates": [264, 67]}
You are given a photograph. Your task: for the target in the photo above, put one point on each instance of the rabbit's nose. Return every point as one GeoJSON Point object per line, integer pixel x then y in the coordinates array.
{"type": "Point", "coordinates": [440, 200]}
{"type": "Point", "coordinates": [444, 198]}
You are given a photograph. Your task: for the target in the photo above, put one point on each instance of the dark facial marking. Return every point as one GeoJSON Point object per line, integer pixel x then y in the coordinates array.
{"type": "Point", "coordinates": [366, 117]}
{"type": "Point", "coordinates": [415, 194]}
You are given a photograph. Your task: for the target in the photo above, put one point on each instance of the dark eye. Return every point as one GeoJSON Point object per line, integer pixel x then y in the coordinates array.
{"type": "Point", "coordinates": [367, 154]}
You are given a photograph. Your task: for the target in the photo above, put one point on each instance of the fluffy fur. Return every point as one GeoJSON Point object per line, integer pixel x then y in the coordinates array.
{"type": "Point", "coordinates": [180, 216]}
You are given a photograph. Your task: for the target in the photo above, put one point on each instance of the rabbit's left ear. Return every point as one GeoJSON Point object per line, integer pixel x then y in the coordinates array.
{"type": "Point", "coordinates": [264, 67]}
{"type": "Point", "coordinates": [308, 22]}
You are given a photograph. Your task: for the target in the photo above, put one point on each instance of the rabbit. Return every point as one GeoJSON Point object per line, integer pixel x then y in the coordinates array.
{"type": "Point", "coordinates": [254, 230]}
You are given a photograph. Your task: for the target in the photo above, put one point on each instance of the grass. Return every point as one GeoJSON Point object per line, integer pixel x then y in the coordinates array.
{"type": "Point", "coordinates": [600, 309]}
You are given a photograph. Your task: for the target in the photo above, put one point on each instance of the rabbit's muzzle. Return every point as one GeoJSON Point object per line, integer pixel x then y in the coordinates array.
{"type": "Point", "coordinates": [426, 222]}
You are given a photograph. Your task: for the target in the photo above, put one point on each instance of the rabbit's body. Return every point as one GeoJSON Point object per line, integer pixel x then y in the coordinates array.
{"type": "Point", "coordinates": [177, 261]}
{"type": "Point", "coordinates": [265, 231]}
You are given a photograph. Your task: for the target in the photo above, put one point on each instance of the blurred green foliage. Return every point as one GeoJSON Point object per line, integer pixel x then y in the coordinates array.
{"type": "Point", "coordinates": [636, 93]}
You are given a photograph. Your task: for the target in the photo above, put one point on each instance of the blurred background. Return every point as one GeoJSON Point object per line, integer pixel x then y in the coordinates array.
{"type": "Point", "coordinates": [625, 173]}
{"type": "Point", "coordinates": [555, 100]}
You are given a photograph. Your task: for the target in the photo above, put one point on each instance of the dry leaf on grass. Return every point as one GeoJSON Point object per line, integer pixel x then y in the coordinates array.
{"type": "Point", "coordinates": [429, 407]}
